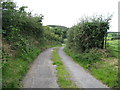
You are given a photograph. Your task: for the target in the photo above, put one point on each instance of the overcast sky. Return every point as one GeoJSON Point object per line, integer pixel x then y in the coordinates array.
{"type": "Point", "coordinates": [68, 12]}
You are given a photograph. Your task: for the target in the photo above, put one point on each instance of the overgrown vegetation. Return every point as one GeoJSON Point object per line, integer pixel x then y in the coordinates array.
{"type": "Point", "coordinates": [24, 37]}
{"type": "Point", "coordinates": [102, 67]}
{"type": "Point", "coordinates": [88, 34]}
{"type": "Point", "coordinates": [86, 45]}
{"type": "Point", "coordinates": [14, 70]}
{"type": "Point", "coordinates": [63, 76]}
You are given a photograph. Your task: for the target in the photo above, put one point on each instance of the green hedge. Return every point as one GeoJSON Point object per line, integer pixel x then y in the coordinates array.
{"type": "Point", "coordinates": [87, 34]}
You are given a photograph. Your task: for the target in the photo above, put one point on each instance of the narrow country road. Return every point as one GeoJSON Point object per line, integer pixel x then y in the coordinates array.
{"type": "Point", "coordinates": [42, 72]}
{"type": "Point", "coordinates": [81, 77]}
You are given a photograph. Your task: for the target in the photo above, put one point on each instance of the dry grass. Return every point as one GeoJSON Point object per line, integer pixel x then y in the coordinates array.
{"type": "Point", "coordinates": [7, 48]}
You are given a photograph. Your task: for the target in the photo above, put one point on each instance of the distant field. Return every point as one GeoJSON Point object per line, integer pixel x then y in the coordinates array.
{"type": "Point", "coordinates": [112, 46]}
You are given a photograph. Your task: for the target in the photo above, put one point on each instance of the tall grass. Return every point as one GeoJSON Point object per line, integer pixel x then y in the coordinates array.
{"type": "Point", "coordinates": [15, 69]}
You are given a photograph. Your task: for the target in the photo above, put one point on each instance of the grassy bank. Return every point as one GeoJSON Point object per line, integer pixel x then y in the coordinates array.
{"type": "Point", "coordinates": [104, 68]}
{"type": "Point", "coordinates": [62, 74]}
{"type": "Point", "coordinates": [24, 36]}
{"type": "Point", "coordinates": [15, 68]}
{"type": "Point", "coordinates": [16, 63]}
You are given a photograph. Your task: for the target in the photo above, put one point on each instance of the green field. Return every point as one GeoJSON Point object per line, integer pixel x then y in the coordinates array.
{"type": "Point", "coordinates": [112, 47]}
{"type": "Point", "coordinates": [113, 43]}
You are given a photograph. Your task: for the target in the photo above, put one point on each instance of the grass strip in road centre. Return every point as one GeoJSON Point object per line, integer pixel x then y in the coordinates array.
{"type": "Point", "coordinates": [62, 74]}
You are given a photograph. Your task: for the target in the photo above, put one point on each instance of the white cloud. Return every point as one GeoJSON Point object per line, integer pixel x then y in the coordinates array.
{"type": "Point", "coordinates": [68, 12]}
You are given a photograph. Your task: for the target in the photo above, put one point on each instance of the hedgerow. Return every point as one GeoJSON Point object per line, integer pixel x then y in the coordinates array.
{"type": "Point", "coordinates": [24, 37]}
{"type": "Point", "coordinates": [87, 34]}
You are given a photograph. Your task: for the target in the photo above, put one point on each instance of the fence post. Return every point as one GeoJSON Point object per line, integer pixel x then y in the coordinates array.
{"type": "Point", "coordinates": [105, 46]}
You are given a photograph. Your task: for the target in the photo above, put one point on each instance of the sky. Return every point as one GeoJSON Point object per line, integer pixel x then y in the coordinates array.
{"type": "Point", "coordinates": [68, 12]}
